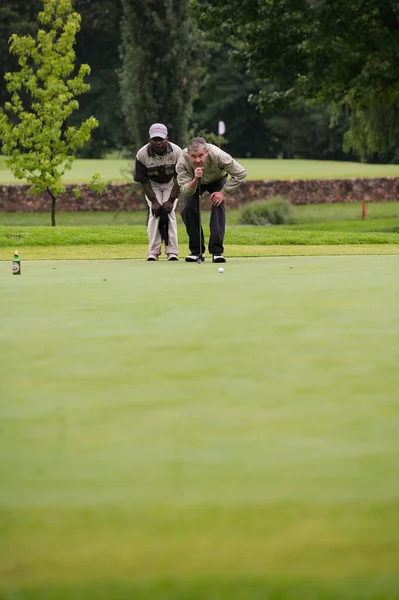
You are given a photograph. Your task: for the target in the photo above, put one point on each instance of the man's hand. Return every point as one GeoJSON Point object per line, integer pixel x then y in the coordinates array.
{"type": "Point", "coordinates": [198, 173]}
{"type": "Point", "coordinates": [168, 205]}
{"type": "Point", "coordinates": [217, 198]}
{"type": "Point", "coordinates": [156, 208]}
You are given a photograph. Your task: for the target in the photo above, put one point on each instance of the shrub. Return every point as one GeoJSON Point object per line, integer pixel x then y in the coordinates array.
{"type": "Point", "coordinates": [273, 211]}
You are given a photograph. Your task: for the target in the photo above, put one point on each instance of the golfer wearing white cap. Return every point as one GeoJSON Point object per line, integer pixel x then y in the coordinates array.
{"type": "Point", "coordinates": [155, 170]}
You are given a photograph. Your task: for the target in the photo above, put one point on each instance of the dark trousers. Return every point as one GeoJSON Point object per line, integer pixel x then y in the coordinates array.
{"type": "Point", "coordinates": [190, 214]}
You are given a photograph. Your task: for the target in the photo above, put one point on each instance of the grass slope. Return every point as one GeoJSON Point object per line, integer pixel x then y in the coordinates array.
{"type": "Point", "coordinates": [139, 251]}
{"type": "Point", "coordinates": [172, 433]}
{"type": "Point", "coordinates": [255, 236]}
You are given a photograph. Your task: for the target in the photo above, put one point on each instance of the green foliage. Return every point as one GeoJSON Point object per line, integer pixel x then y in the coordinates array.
{"type": "Point", "coordinates": [306, 132]}
{"type": "Point", "coordinates": [228, 92]}
{"type": "Point", "coordinates": [158, 78]}
{"type": "Point", "coordinates": [324, 52]}
{"type": "Point", "coordinates": [273, 211]}
{"type": "Point", "coordinates": [211, 137]}
{"type": "Point", "coordinates": [224, 95]}
{"type": "Point", "coordinates": [16, 16]}
{"type": "Point", "coordinates": [373, 132]}
{"type": "Point", "coordinates": [33, 124]}
{"type": "Point", "coordinates": [98, 43]}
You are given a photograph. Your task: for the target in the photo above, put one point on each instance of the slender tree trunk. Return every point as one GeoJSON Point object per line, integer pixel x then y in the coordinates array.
{"type": "Point", "coordinates": [158, 85]}
{"type": "Point", "coordinates": [53, 199]}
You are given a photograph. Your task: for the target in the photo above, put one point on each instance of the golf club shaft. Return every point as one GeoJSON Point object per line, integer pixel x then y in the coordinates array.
{"type": "Point", "coordinates": [199, 220]}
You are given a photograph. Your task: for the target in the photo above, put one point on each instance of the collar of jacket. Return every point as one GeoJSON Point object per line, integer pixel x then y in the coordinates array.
{"type": "Point", "coordinates": [151, 152]}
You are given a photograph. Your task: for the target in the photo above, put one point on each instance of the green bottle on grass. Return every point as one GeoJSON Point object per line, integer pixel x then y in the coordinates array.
{"type": "Point", "coordinates": [16, 264]}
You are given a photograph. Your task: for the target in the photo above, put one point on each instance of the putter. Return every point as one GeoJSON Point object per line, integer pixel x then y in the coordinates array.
{"type": "Point", "coordinates": [199, 220]}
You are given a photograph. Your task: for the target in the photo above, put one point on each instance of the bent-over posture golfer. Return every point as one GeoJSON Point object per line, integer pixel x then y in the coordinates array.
{"type": "Point", "coordinates": [155, 170]}
{"type": "Point", "coordinates": [209, 165]}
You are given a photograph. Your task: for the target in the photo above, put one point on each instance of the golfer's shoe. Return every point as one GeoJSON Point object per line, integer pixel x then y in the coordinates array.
{"type": "Point", "coordinates": [218, 258]}
{"type": "Point", "coordinates": [152, 257]}
{"type": "Point", "coordinates": [194, 258]}
{"type": "Point", "coordinates": [173, 257]}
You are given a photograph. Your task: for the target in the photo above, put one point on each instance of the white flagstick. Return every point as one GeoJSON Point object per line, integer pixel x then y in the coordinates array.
{"type": "Point", "coordinates": [221, 131]}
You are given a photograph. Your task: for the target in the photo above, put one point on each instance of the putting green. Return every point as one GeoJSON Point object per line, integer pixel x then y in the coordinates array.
{"type": "Point", "coordinates": [171, 432]}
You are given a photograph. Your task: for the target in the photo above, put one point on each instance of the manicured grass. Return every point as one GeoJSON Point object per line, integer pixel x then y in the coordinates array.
{"type": "Point", "coordinates": [123, 234]}
{"type": "Point", "coordinates": [314, 169]}
{"type": "Point", "coordinates": [19, 237]}
{"type": "Point", "coordinates": [78, 219]}
{"type": "Point", "coordinates": [168, 432]}
{"type": "Point", "coordinates": [238, 588]}
{"type": "Point", "coordinates": [369, 225]}
{"type": "Point", "coordinates": [319, 213]}
{"type": "Point", "coordinates": [310, 213]}
{"type": "Point", "coordinates": [121, 170]}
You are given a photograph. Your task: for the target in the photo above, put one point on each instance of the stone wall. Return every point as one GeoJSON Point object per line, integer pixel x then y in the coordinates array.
{"type": "Point", "coordinates": [15, 198]}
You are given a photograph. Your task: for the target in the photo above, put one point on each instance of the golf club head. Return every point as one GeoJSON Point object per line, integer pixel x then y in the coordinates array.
{"type": "Point", "coordinates": [199, 260]}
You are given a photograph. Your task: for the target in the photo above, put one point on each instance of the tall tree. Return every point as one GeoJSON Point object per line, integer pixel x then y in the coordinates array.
{"type": "Point", "coordinates": [158, 76]}
{"type": "Point", "coordinates": [340, 53]}
{"type": "Point", "coordinates": [16, 16]}
{"type": "Point", "coordinates": [225, 93]}
{"type": "Point", "coordinates": [98, 44]}
{"type": "Point", "coordinates": [43, 90]}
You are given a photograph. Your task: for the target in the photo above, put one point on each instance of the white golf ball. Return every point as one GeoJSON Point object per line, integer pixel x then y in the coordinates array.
{"type": "Point", "coordinates": [221, 270]}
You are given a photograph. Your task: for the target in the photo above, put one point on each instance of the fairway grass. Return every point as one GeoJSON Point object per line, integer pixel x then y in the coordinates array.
{"type": "Point", "coordinates": [169, 432]}
{"type": "Point", "coordinates": [121, 170]}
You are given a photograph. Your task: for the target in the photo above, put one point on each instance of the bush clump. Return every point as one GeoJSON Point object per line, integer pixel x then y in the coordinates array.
{"type": "Point", "coordinates": [273, 211]}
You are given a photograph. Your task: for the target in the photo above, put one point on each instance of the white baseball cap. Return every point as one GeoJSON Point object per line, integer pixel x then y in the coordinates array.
{"type": "Point", "coordinates": [158, 130]}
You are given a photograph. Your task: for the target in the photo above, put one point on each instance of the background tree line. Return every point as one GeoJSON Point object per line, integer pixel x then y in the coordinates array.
{"type": "Point", "coordinates": [282, 71]}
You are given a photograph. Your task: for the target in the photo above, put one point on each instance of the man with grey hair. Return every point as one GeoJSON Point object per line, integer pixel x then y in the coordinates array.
{"type": "Point", "coordinates": [155, 170]}
{"type": "Point", "coordinates": [208, 165]}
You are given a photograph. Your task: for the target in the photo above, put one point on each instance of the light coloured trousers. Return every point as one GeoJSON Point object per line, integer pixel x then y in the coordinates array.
{"type": "Point", "coordinates": [162, 193]}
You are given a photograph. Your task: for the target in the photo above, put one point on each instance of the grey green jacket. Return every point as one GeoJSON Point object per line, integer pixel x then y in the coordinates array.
{"type": "Point", "coordinates": [218, 164]}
